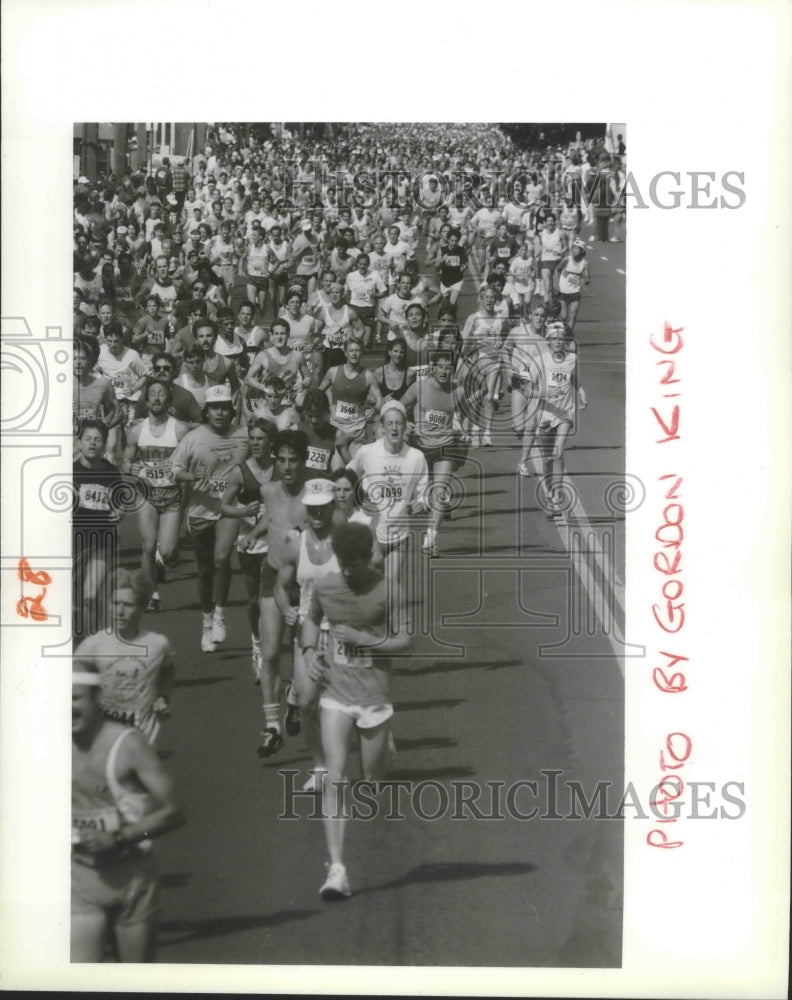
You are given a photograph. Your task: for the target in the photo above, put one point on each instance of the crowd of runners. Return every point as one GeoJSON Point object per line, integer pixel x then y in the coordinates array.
{"type": "Point", "coordinates": [274, 369]}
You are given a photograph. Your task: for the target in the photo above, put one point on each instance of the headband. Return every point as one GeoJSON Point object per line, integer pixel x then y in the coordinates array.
{"type": "Point", "coordinates": [85, 679]}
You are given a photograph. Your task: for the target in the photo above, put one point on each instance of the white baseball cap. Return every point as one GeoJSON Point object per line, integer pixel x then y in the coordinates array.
{"type": "Point", "coordinates": [218, 394]}
{"type": "Point", "coordinates": [318, 492]}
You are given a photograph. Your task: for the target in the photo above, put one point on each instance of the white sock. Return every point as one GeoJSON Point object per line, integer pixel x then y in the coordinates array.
{"type": "Point", "coordinates": [219, 612]}
{"type": "Point", "coordinates": [207, 619]}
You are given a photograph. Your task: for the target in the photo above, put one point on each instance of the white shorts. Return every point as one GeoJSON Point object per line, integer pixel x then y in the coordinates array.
{"type": "Point", "coordinates": [446, 289]}
{"type": "Point", "coordinates": [365, 716]}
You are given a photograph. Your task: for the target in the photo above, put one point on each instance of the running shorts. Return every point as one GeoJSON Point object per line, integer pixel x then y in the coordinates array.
{"type": "Point", "coordinates": [365, 716]}
{"type": "Point", "coordinates": [127, 890]}
{"type": "Point", "coordinates": [165, 499]}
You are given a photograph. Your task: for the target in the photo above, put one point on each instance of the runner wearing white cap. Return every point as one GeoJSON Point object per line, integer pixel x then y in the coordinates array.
{"type": "Point", "coordinates": [307, 558]}
{"type": "Point", "coordinates": [204, 458]}
{"type": "Point", "coordinates": [573, 272]}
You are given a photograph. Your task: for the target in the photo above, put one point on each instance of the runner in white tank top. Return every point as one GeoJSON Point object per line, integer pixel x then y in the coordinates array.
{"type": "Point", "coordinates": [148, 456]}
{"type": "Point", "coordinates": [309, 558]}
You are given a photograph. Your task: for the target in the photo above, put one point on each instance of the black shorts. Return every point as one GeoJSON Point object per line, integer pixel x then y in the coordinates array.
{"type": "Point", "coordinates": [250, 563]}
{"type": "Point", "coordinates": [365, 313]}
{"type": "Point", "coordinates": [268, 577]}
{"type": "Point", "coordinates": [257, 282]}
{"type": "Point", "coordinates": [452, 453]}
{"type": "Point", "coordinates": [569, 296]}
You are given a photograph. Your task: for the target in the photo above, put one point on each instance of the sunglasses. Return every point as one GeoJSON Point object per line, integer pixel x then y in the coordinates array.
{"type": "Point", "coordinates": [162, 368]}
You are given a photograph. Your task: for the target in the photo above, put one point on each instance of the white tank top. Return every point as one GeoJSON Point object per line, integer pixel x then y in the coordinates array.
{"type": "Point", "coordinates": [128, 807]}
{"type": "Point", "coordinates": [307, 575]}
{"type": "Point", "coordinates": [155, 454]}
{"type": "Point", "coordinates": [569, 279]}
{"type": "Point", "coordinates": [552, 244]}
{"type": "Point", "coordinates": [334, 335]}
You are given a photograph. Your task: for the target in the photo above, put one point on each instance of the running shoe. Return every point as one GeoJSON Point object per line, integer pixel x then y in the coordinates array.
{"type": "Point", "coordinates": [553, 508]}
{"type": "Point", "coordinates": [271, 742]}
{"type": "Point", "coordinates": [486, 440]}
{"type": "Point", "coordinates": [524, 470]}
{"type": "Point", "coordinates": [475, 439]}
{"type": "Point", "coordinates": [207, 643]}
{"type": "Point", "coordinates": [336, 884]}
{"type": "Point", "coordinates": [153, 605]}
{"type": "Point", "coordinates": [429, 543]}
{"type": "Point", "coordinates": [218, 629]}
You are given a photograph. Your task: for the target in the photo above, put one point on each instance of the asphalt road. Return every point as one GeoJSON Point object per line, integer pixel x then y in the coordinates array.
{"type": "Point", "coordinates": [513, 675]}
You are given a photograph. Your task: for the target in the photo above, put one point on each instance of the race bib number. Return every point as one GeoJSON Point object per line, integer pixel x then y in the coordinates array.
{"type": "Point", "coordinates": [346, 411]}
{"type": "Point", "coordinates": [257, 268]}
{"type": "Point", "coordinates": [154, 473]}
{"type": "Point", "coordinates": [336, 338]}
{"type": "Point", "coordinates": [308, 261]}
{"type": "Point", "coordinates": [436, 418]}
{"type": "Point", "coordinates": [503, 252]}
{"type": "Point", "coordinates": [344, 654]}
{"type": "Point", "coordinates": [156, 338]}
{"type": "Point", "coordinates": [573, 279]}
{"type": "Point", "coordinates": [488, 230]}
{"type": "Point", "coordinates": [125, 718]}
{"type": "Point", "coordinates": [318, 458]}
{"type": "Point", "coordinates": [215, 487]}
{"type": "Point", "coordinates": [522, 272]}
{"type": "Point", "coordinates": [85, 821]}
{"type": "Point", "coordinates": [420, 371]}
{"type": "Point", "coordinates": [452, 260]}
{"type": "Point", "coordinates": [119, 383]}
{"type": "Point", "coordinates": [392, 492]}
{"type": "Point", "coordinates": [93, 497]}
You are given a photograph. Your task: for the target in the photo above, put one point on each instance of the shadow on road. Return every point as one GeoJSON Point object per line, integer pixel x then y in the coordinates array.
{"type": "Point", "coordinates": [178, 931]}
{"type": "Point", "coordinates": [427, 743]}
{"type": "Point", "coordinates": [452, 871]}
{"type": "Point", "coordinates": [414, 706]}
{"type": "Point", "coordinates": [202, 681]}
{"type": "Point", "coordinates": [424, 773]}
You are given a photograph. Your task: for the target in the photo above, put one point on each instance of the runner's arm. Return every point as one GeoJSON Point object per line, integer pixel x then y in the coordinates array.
{"type": "Point", "coordinates": [284, 583]}
{"type": "Point", "coordinates": [259, 364]}
{"type": "Point", "coordinates": [137, 757]}
{"type": "Point", "coordinates": [128, 458]}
